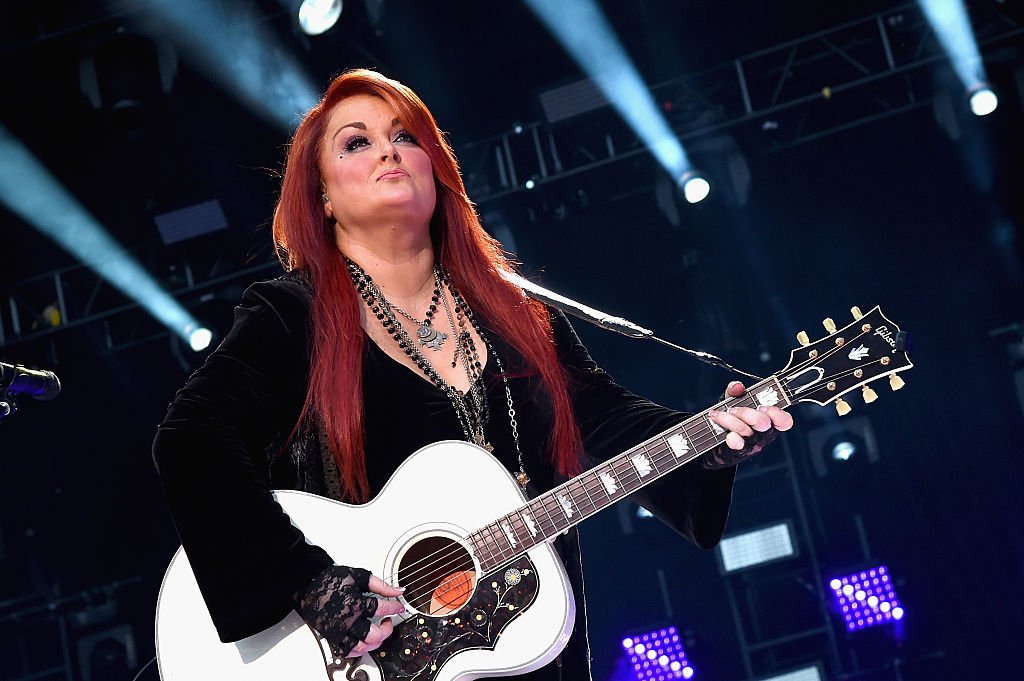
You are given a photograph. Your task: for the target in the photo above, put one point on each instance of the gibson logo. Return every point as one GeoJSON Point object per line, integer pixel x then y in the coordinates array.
{"type": "Point", "coordinates": [886, 335]}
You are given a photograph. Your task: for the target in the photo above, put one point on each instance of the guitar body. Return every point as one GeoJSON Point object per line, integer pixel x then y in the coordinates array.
{"type": "Point", "coordinates": [514, 620]}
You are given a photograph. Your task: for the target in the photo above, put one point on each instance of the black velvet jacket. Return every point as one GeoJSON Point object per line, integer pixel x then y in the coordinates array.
{"type": "Point", "coordinates": [215, 453]}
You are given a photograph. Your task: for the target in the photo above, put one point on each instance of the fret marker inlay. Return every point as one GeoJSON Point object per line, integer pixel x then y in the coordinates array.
{"type": "Point", "coordinates": [507, 529]}
{"type": "Point", "coordinates": [566, 505]}
{"type": "Point", "coordinates": [530, 524]}
{"type": "Point", "coordinates": [609, 482]}
{"type": "Point", "coordinates": [642, 464]}
{"type": "Point", "coordinates": [767, 397]}
{"type": "Point", "coordinates": [679, 444]}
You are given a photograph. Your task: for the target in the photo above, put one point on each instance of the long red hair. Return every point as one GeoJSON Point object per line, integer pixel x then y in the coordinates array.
{"type": "Point", "coordinates": [304, 238]}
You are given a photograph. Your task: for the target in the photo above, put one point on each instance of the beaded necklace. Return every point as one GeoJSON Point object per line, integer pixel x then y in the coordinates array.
{"type": "Point", "coordinates": [471, 407]}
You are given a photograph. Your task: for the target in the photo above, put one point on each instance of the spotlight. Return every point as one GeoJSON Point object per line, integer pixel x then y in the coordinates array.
{"type": "Point", "coordinates": [695, 186]}
{"type": "Point", "coordinates": [866, 598]}
{"type": "Point", "coordinates": [530, 184]}
{"type": "Point", "coordinates": [317, 16]}
{"type": "Point", "coordinates": [199, 338]}
{"type": "Point", "coordinates": [657, 655]}
{"type": "Point", "coordinates": [843, 450]}
{"type": "Point", "coordinates": [983, 100]}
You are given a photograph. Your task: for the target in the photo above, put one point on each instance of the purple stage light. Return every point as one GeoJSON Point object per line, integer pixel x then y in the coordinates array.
{"type": "Point", "coordinates": [657, 655]}
{"type": "Point", "coordinates": [866, 598]}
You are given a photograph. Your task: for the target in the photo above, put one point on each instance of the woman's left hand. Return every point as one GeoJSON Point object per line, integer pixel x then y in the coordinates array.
{"type": "Point", "coordinates": [748, 430]}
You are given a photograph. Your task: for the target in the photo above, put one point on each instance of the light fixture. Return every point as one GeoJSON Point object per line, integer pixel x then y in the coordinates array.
{"type": "Point", "coordinates": [983, 99]}
{"type": "Point", "coordinates": [803, 674]}
{"type": "Point", "coordinates": [756, 547]}
{"type": "Point", "coordinates": [865, 598]}
{"type": "Point", "coordinates": [843, 450]}
{"type": "Point", "coordinates": [657, 655]}
{"type": "Point", "coordinates": [317, 16]}
{"type": "Point", "coordinates": [695, 186]}
{"type": "Point", "coordinates": [199, 337]}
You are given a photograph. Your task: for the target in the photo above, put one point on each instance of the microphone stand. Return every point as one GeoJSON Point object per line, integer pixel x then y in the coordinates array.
{"type": "Point", "coordinates": [612, 323]}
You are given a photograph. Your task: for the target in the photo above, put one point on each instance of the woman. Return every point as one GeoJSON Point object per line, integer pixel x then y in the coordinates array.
{"type": "Point", "coordinates": [392, 329]}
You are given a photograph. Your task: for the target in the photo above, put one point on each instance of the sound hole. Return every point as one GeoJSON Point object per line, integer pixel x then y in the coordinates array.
{"type": "Point", "coordinates": [438, 575]}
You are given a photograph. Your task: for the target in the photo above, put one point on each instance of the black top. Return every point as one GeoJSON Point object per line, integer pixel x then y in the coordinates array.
{"type": "Point", "coordinates": [214, 451]}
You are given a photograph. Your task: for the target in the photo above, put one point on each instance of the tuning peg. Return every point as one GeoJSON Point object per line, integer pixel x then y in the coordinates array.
{"type": "Point", "coordinates": [829, 325]}
{"type": "Point", "coordinates": [855, 311]}
{"type": "Point", "coordinates": [895, 382]}
{"type": "Point", "coordinates": [842, 408]}
{"type": "Point", "coordinates": [868, 394]}
{"type": "Point", "coordinates": [802, 338]}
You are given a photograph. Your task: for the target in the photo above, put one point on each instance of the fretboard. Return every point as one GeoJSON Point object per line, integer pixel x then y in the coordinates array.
{"type": "Point", "coordinates": [563, 507]}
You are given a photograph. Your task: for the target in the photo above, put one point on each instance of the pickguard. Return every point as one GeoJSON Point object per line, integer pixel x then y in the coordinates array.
{"type": "Point", "coordinates": [421, 645]}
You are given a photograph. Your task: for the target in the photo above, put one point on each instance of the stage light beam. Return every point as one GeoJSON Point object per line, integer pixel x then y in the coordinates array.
{"type": "Point", "coordinates": [30, 191]}
{"type": "Point", "coordinates": [949, 20]}
{"type": "Point", "coordinates": [233, 45]}
{"type": "Point", "coordinates": [584, 32]}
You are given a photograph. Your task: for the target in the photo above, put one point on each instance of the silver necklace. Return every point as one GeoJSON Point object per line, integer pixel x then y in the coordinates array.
{"type": "Point", "coordinates": [471, 407]}
{"type": "Point", "coordinates": [427, 335]}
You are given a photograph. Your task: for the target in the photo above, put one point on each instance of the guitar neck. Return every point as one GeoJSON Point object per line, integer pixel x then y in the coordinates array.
{"type": "Point", "coordinates": [571, 503]}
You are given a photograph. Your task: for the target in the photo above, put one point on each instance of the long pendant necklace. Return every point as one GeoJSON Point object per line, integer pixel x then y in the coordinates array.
{"type": "Point", "coordinates": [471, 407]}
{"type": "Point", "coordinates": [427, 335]}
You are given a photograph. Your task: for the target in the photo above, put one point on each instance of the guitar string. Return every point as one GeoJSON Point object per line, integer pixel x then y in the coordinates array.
{"type": "Point", "coordinates": [439, 552]}
{"type": "Point", "coordinates": [700, 442]}
{"type": "Point", "coordinates": [616, 466]}
{"type": "Point", "coordinates": [440, 559]}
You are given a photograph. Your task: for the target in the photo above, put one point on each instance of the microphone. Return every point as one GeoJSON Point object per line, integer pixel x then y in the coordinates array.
{"type": "Point", "coordinates": [18, 380]}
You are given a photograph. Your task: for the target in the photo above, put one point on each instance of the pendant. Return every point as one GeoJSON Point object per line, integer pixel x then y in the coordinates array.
{"type": "Point", "coordinates": [523, 479]}
{"type": "Point", "coordinates": [489, 447]}
{"type": "Point", "coordinates": [431, 337]}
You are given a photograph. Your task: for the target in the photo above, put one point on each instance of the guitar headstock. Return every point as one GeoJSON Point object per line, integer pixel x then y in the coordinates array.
{"type": "Point", "coordinates": [869, 347]}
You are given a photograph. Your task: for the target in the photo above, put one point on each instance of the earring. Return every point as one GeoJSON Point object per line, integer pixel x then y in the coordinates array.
{"type": "Point", "coordinates": [325, 197]}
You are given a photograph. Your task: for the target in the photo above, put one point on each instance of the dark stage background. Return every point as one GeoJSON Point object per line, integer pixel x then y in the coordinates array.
{"type": "Point", "coordinates": [894, 211]}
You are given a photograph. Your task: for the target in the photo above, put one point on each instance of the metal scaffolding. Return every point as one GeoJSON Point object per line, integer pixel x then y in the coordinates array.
{"type": "Point", "coordinates": [796, 92]}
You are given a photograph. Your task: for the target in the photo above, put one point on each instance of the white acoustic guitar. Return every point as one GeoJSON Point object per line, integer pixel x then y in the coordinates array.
{"type": "Point", "coordinates": [485, 593]}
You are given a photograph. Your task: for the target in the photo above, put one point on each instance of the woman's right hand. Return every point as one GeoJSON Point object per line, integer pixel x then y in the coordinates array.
{"type": "Point", "coordinates": [336, 606]}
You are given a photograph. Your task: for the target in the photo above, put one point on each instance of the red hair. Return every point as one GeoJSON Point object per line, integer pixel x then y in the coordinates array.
{"type": "Point", "coordinates": [304, 238]}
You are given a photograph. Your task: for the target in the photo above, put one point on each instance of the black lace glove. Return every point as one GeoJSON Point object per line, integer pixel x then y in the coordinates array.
{"type": "Point", "coordinates": [724, 456]}
{"type": "Point", "coordinates": [336, 606]}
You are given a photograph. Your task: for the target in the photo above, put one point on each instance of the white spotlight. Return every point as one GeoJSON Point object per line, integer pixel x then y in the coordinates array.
{"type": "Point", "coordinates": [199, 338]}
{"type": "Point", "coordinates": [695, 186]}
{"type": "Point", "coordinates": [983, 100]}
{"type": "Point", "coordinates": [317, 16]}
{"type": "Point", "coordinates": [844, 450]}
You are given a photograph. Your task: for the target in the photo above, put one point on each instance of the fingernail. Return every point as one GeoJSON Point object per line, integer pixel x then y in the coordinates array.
{"type": "Point", "coordinates": [762, 408]}
{"type": "Point", "coordinates": [401, 588]}
{"type": "Point", "coordinates": [714, 413]}
{"type": "Point", "coordinates": [732, 410]}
